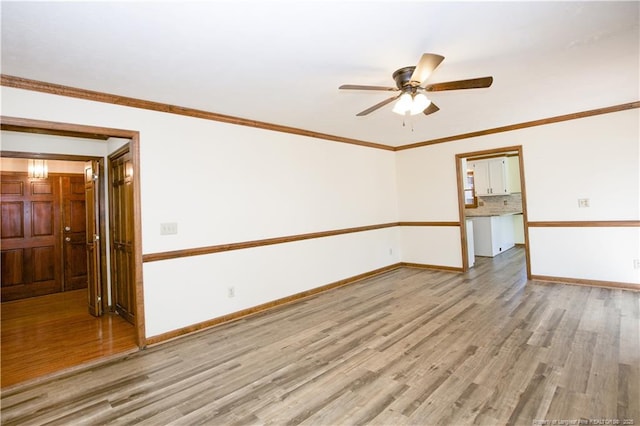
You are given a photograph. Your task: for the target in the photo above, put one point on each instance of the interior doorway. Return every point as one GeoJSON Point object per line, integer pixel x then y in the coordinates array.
{"type": "Point", "coordinates": [109, 335]}
{"type": "Point", "coordinates": [492, 203]}
{"type": "Point", "coordinates": [44, 224]}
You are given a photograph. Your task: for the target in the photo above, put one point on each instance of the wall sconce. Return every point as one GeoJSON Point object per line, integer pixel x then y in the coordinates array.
{"type": "Point", "coordinates": [38, 169]}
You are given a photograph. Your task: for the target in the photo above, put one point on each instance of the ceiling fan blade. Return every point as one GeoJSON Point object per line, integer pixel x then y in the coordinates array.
{"type": "Point", "coordinates": [360, 87]}
{"type": "Point", "coordinates": [473, 83]}
{"type": "Point", "coordinates": [376, 106]}
{"type": "Point", "coordinates": [431, 109]}
{"type": "Point", "coordinates": [428, 63]}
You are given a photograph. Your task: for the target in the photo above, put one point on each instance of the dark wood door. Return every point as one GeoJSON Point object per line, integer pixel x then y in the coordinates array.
{"type": "Point", "coordinates": [92, 236]}
{"type": "Point", "coordinates": [74, 232]}
{"type": "Point", "coordinates": [122, 235]}
{"type": "Point", "coordinates": [30, 234]}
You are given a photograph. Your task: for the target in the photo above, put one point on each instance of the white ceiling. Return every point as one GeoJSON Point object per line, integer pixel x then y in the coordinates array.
{"type": "Point", "coordinates": [282, 61]}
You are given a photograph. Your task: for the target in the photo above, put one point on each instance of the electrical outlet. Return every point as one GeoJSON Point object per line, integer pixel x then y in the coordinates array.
{"type": "Point", "coordinates": [636, 263]}
{"type": "Point", "coordinates": [583, 202]}
{"type": "Point", "coordinates": [231, 292]}
{"type": "Point", "coordinates": [168, 228]}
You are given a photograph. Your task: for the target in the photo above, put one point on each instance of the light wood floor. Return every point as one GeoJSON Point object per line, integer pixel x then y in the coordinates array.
{"type": "Point", "coordinates": [43, 335]}
{"type": "Point", "coordinates": [407, 347]}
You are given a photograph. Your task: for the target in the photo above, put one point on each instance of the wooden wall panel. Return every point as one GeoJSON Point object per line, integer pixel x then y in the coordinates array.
{"type": "Point", "coordinates": [41, 188]}
{"type": "Point", "coordinates": [12, 219]}
{"type": "Point", "coordinates": [12, 267]}
{"type": "Point", "coordinates": [12, 187]}
{"type": "Point", "coordinates": [44, 263]}
{"type": "Point", "coordinates": [42, 218]}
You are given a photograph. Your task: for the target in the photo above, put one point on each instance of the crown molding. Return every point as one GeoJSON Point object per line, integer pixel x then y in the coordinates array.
{"type": "Point", "coordinates": [524, 125]}
{"type": "Point", "coordinates": [74, 92]}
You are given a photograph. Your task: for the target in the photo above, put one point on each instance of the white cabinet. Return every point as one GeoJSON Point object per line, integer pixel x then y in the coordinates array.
{"type": "Point", "coordinates": [490, 176]}
{"type": "Point", "coordinates": [492, 235]}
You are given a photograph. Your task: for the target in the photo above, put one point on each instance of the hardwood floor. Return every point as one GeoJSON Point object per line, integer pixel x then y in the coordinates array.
{"type": "Point", "coordinates": [43, 335]}
{"type": "Point", "coordinates": [410, 346]}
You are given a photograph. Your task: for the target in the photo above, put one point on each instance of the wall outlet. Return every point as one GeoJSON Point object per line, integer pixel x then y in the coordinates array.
{"type": "Point", "coordinates": [583, 202]}
{"type": "Point", "coordinates": [636, 263]}
{"type": "Point", "coordinates": [231, 292]}
{"type": "Point", "coordinates": [168, 228]}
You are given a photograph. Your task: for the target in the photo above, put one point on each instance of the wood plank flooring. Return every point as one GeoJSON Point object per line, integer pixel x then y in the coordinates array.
{"type": "Point", "coordinates": [43, 335]}
{"type": "Point", "coordinates": [410, 346]}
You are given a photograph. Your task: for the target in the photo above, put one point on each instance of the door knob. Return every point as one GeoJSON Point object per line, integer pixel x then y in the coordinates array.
{"type": "Point", "coordinates": [67, 228]}
{"type": "Point", "coordinates": [67, 239]}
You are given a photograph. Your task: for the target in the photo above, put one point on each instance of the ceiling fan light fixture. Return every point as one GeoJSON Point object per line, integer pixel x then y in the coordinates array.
{"type": "Point", "coordinates": [420, 103]}
{"type": "Point", "coordinates": [404, 104]}
{"type": "Point", "coordinates": [409, 104]}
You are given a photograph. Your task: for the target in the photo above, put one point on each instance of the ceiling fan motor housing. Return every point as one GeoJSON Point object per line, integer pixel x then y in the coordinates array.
{"type": "Point", "coordinates": [402, 77]}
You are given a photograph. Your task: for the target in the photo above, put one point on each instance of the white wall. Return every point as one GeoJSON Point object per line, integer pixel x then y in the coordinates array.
{"type": "Point", "coordinates": [431, 245]}
{"type": "Point", "coordinates": [257, 275]}
{"type": "Point", "coordinates": [222, 184]}
{"type": "Point", "coordinates": [596, 158]}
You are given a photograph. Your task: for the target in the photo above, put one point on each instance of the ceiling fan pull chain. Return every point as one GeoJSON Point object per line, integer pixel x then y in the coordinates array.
{"type": "Point", "coordinates": [404, 121]}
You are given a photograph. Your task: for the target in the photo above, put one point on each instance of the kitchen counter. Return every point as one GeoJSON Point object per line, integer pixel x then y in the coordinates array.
{"type": "Point", "coordinates": [493, 234]}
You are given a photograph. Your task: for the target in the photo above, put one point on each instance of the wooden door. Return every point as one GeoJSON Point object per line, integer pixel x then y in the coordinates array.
{"type": "Point", "coordinates": [31, 243]}
{"type": "Point", "coordinates": [92, 210]}
{"type": "Point", "coordinates": [74, 232]}
{"type": "Point", "coordinates": [122, 235]}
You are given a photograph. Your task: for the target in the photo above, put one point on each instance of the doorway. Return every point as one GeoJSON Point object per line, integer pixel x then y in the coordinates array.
{"type": "Point", "coordinates": [43, 227]}
{"type": "Point", "coordinates": [106, 340]}
{"type": "Point", "coordinates": [492, 203]}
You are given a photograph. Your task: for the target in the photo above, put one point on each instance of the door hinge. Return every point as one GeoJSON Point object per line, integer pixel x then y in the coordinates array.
{"type": "Point", "coordinates": [96, 237]}
{"type": "Point", "coordinates": [99, 299]}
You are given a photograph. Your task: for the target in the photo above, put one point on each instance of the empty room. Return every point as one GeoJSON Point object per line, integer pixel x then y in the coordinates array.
{"type": "Point", "coordinates": [320, 212]}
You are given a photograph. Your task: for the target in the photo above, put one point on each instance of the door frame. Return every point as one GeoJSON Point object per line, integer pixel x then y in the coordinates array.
{"type": "Point", "coordinates": [460, 175]}
{"type": "Point", "coordinates": [27, 125]}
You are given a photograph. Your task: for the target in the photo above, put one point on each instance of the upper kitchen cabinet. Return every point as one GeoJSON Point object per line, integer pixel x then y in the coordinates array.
{"type": "Point", "coordinates": [490, 176]}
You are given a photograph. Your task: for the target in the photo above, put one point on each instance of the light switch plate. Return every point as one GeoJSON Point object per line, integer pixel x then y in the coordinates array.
{"type": "Point", "coordinates": [168, 228]}
{"type": "Point", "coordinates": [583, 202]}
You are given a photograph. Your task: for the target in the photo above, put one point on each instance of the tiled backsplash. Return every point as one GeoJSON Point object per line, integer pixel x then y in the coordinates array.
{"type": "Point", "coordinates": [497, 204]}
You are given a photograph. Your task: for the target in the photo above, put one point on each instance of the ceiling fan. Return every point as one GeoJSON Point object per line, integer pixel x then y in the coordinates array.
{"type": "Point", "coordinates": [411, 83]}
